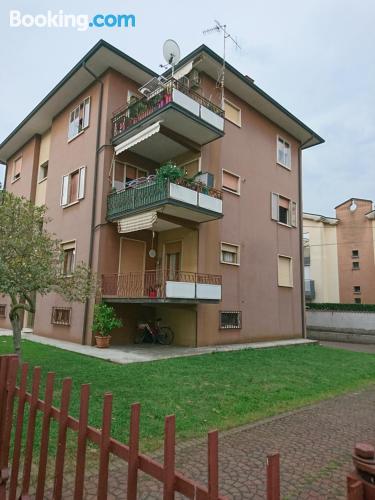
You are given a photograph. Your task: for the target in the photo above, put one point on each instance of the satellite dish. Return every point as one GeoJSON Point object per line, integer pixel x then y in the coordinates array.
{"type": "Point", "coordinates": [171, 52]}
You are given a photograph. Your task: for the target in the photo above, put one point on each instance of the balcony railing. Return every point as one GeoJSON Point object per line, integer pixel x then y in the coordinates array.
{"type": "Point", "coordinates": [137, 111]}
{"type": "Point", "coordinates": [151, 191]}
{"type": "Point", "coordinates": [159, 284]}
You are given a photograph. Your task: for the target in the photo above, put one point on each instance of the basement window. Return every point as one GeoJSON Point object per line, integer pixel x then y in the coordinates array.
{"type": "Point", "coordinates": [61, 316]}
{"type": "Point", "coordinates": [357, 300]}
{"type": "Point", "coordinates": [230, 320]}
{"type": "Point", "coordinates": [2, 310]}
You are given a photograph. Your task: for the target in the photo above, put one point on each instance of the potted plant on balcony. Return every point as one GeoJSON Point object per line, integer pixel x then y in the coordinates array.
{"type": "Point", "coordinates": [169, 171]}
{"type": "Point", "coordinates": [105, 320]}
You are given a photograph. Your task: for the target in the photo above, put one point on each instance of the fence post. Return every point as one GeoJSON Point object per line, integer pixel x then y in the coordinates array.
{"type": "Point", "coordinates": [354, 488]}
{"type": "Point", "coordinates": [9, 374]}
{"type": "Point", "coordinates": [169, 457]}
{"type": "Point", "coordinates": [213, 465]}
{"type": "Point", "coordinates": [133, 452]}
{"type": "Point", "coordinates": [273, 476]}
{"type": "Point", "coordinates": [104, 447]}
{"type": "Point", "coordinates": [81, 444]}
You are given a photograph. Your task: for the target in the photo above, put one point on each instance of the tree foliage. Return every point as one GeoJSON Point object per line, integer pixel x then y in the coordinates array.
{"type": "Point", "coordinates": [31, 261]}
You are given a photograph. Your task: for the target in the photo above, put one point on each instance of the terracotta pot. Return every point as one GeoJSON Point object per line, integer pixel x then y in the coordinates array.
{"type": "Point", "coordinates": [102, 342]}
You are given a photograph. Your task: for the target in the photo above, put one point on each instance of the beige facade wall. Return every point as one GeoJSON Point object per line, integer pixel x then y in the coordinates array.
{"type": "Point", "coordinates": [323, 260]}
{"type": "Point", "coordinates": [41, 186]}
{"type": "Point", "coordinates": [189, 245]}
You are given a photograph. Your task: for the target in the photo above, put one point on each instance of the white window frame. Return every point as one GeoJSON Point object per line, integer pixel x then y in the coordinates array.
{"type": "Point", "coordinates": [238, 253]}
{"type": "Point", "coordinates": [14, 178]}
{"type": "Point", "coordinates": [292, 210]}
{"type": "Point", "coordinates": [237, 108]}
{"type": "Point", "coordinates": [86, 118]}
{"type": "Point", "coordinates": [238, 193]}
{"type": "Point", "coordinates": [127, 164]}
{"type": "Point", "coordinates": [42, 179]}
{"type": "Point", "coordinates": [291, 280]}
{"type": "Point", "coordinates": [65, 187]}
{"type": "Point", "coordinates": [282, 164]}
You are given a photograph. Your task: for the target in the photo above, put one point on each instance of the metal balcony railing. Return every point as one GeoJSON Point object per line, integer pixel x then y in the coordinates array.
{"type": "Point", "coordinates": [133, 113]}
{"type": "Point", "coordinates": [151, 284]}
{"type": "Point", "coordinates": [147, 192]}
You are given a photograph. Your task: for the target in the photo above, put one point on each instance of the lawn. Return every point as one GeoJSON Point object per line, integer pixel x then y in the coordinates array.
{"type": "Point", "coordinates": [220, 390]}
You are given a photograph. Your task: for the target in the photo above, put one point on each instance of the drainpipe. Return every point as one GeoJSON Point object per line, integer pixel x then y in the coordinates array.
{"type": "Point", "coordinates": [301, 253]}
{"type": "Point", "coordinates": [93, 208]}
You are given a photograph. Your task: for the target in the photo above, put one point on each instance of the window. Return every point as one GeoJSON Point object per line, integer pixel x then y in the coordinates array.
{"type": "Point", "coordinates": [43, 171]}
{"type": "Point", "coordinates": [283, 153]}
{"type": "Point", "coordinates": [123, 173]}
{"type": "Point", "coordinates": [356, 289]}
{"type": "Point", "coordinates": [232, 113]}
{"type": "Point", "coordinates": [231, 182]}
{"type": "Point", "coordinates": [79, 118]}
{"type": "Point", "coordinates": [355, 254]}
{"type": "Point", "coordinates": [285, 271]}
{"type": "Point", "coordinates": [61, 315]}
{"type": "Point", "coordinates": [357, 300]}
{"type": "Point", "coordinates": [2, 310]}
{"type": "Point", "coordinates": [69, 255]}
{"type": "Point", "coordinates": [73, 187]}
{"type": "Point", "coordinates": [17, 166]}
{"type": "Point", "coordinates": [355, 265]}
{"type": "Point", "coordinates": [230, 254]}
{"type": "Point", "coordinates": [230, 320]}
{"type": "Point", "coordinates": [283, 210]}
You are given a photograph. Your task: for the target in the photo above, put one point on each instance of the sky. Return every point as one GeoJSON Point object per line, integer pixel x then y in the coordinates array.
{"type": "Point", "coordinates": [315, 58]}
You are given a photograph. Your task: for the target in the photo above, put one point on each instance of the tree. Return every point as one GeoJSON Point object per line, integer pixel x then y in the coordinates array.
{"type": "Point", "coordinates": [31, 261]}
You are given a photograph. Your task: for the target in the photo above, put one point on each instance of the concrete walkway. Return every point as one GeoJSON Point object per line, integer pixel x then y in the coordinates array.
{"type": "Point", "coordinates": [347, 346]}
{"type": "Point", "coordinates": [149, 352]}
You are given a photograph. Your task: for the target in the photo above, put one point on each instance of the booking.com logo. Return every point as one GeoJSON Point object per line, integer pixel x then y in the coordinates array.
{"type": "Point", "coordinates": [82, 22]}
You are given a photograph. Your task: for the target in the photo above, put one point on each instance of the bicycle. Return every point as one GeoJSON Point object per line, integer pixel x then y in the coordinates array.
{"type": "Point", "coordinates": [154, 333]}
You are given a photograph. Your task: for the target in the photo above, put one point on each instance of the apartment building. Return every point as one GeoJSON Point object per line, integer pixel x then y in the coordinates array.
{"type": "Point", "coordinates": [340, 254]}
{"type": "Point", "coordinates": [218, 258]}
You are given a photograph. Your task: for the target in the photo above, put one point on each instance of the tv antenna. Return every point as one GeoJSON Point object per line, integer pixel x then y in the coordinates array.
{"type": "Point", "coordinates": [171, 53]}
{"type": "Point", "coordinates": [222, 28]}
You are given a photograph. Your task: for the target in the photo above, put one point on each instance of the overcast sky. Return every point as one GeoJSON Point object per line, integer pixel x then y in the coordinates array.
{"type": "Point", "coordinates": [315, 58]}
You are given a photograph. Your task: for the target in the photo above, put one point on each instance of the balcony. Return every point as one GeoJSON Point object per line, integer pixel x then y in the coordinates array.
{"type": "Point", "coordinates": [172, 118]}
{"type": "Point", "coordinates": [309, 290]}
{"type": "Point", "coordinates": [161, 286]}
{"type": "Point", "coordinates": [187, 200]}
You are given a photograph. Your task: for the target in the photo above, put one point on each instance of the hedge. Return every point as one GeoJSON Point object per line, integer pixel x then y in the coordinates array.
{"type": "Point", "coordinates": [341, 307]}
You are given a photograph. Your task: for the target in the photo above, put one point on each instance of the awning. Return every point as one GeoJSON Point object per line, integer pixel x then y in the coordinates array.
{"type": "Point", "coordinates": [141, 136]}
{"type": "Point", "coordinates": [137, 222]}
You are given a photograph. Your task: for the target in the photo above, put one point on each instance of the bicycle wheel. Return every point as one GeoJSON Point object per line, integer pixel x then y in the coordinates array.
{"type": "Point", "coordinates": [165, 335]}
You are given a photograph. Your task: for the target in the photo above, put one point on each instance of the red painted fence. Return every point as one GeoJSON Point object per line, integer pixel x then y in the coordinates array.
{"type": "Point", "coordinates": [16, 480]}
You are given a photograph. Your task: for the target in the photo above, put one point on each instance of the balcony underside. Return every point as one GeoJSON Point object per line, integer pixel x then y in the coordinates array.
{"type": "Point", "coordinates": [148, 301]}
{"type": "Point", "coordinates": [180, 131]}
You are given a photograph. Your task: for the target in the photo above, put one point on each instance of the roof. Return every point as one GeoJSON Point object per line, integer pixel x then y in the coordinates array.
{"type": "Point", "coordinates": [321, 218]}
{"type": "Point", "coordinates": [244, 87]}
{"type": "Point", "coordinates": [104, 55]}
{"type": "Point", "coordinates": [352, 199]}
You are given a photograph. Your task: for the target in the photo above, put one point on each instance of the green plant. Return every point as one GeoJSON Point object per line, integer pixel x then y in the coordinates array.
{"type": "Point", "coordinates": [169, 171]}
{"type": "Point", "coordinates": [342, 307]}
{"type": "Point", "coordinates": [105, 320]}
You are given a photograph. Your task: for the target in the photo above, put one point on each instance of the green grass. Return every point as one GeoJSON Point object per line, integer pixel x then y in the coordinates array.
{"type": "Point", "coordinates": [220, 390]}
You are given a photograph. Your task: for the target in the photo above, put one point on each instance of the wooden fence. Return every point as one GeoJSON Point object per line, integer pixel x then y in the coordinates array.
{"type": "Point", "coordinates": [17, 435]}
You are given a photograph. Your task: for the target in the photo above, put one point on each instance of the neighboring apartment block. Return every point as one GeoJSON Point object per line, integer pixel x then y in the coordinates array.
{"type": "Point", "coordinates": [219, 260]}
{"type": "Point", "coordinates": [340, 254]}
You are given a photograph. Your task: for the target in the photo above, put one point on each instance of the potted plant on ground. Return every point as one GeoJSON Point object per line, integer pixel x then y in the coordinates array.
{"type": "Point", "coordinates": [105, 320]}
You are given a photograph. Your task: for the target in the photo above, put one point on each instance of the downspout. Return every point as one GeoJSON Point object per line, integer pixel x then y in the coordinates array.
{"type": "Point", "coordinates": [301, 252]}
{"type": "Point", "coordinates": [93, 208]}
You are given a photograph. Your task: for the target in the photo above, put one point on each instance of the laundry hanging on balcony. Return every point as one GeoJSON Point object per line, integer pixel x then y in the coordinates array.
{"type": "Point", "coordinates": [141, 136]}
{"type": "Point", "coordinates": [137, 222]}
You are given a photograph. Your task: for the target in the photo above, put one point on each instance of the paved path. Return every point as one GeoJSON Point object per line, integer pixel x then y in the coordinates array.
{"type": "Point", "coordinates": [149, 352]}
{"type": "Point", "coordinates": [315, 444]}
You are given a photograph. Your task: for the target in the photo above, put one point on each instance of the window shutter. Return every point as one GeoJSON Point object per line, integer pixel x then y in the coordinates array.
{"type": "Point", "coordinates": [274, 206]}
{"type": "Point", "coordinates": [64, 190]}
{"type": "Point", "coordinates": [81, 188]}
{"type": "Point", "coordinates": [86, 112]}
{"type": "Point", "coordinates": [293, 212]}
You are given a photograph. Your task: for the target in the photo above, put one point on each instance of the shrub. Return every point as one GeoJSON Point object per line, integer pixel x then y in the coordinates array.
{"type": "Point", "coordinates": [169, 171]}
{"type": "Point", "coordinates": [342, 307]}
{"type": "Point", "coordinates": [105, 320]}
